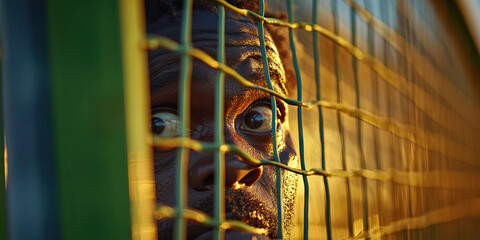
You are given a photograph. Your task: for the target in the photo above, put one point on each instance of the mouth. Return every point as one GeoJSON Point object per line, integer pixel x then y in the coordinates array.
{"type": "Point", "coordinates": [241, 206]}
{"type": "Point", "coordinates": [197, 231]}
{"type": "Point", "coordinates": [233, 235]}
{"type": "Point", "coordinates": [262, 228]}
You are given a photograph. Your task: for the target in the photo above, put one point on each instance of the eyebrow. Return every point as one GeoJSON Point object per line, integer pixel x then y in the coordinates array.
{"type": "Point", "coordinates": [171, 74]}
{"type": "Point", "coordinates": [165, 66]}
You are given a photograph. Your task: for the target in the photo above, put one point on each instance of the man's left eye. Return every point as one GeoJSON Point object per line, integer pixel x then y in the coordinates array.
{"type": "Point", "coordinates": [165, 124]}
{"type": "Point", "coordinates": [257, 119]}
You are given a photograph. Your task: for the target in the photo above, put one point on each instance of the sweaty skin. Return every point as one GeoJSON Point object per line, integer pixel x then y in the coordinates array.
{"type": "Point", "coordinates": [251, 194]}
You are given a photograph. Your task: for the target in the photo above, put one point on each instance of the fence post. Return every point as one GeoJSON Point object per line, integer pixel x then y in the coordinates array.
{"type": "Point", "coordinates": [31, 194]}
{"type": "Point", "coordinates": [89, 118]}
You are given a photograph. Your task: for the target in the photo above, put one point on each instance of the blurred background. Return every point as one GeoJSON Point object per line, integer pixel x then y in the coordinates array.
{"type": "Point", "coordinates": [430, 102]}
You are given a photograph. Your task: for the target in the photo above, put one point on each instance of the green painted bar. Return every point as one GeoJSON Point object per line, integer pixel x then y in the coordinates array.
{"type": "Point", "coordinates": [261, 11]}
{"type": "Point", "coordinates": [300, 121]}
{"type": "Point", "coordinates": [339, 118]}
{"type": "Point", "coordinates": [358, 123]}
{"type": "Point", "coordinates": [89, 121]}
{"type": "Point", "coordinates": [184, 112]}
{"type": "Point", "coordinates": [219, 209]}
{"type": "Point", "coordinates": [316, 58]}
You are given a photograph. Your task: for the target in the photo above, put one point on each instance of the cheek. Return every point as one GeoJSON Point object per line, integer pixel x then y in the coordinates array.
{"type": "Point", "coordinates": [165, 176]}
{"type": "Point", "coordinates": [259, 146]}
{"type": "Point", "coordinates": [256, 145]}
{"type": "Point", "coordinates": [286, 152]}
{"type": "Point", "coordinates": [289, 157]}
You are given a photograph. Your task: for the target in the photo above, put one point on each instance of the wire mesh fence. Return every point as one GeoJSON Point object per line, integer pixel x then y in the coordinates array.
{"type": "Point", "coordinates": [396, 130]}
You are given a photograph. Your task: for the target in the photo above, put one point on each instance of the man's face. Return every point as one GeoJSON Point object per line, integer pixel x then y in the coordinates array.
{"type": "Point", "coordinates": [251, 194]}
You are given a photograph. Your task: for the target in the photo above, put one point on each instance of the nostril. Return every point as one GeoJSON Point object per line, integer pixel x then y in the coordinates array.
{"type": "Point", "coordinates": [251, 177]}
{"type": "Point", "coordinates": [237, 174]}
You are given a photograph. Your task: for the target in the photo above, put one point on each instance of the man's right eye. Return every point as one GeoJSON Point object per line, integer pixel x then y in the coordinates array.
{"type": "Point", "coordinates": [165, 124]}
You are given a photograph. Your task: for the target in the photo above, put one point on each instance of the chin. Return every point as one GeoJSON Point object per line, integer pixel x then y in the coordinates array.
{"type": "Point", "coordinates": [233, 235]}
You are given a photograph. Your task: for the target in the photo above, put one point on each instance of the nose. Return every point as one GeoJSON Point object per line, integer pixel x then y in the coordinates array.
{"type": "Point", "coordinates": [238, 174]}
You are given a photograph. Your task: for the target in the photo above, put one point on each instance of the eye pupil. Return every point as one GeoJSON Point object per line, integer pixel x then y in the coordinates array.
{"type": "Point", "coordinates": [158, 125]}
{"type": "Point", "coordinates": [254, 119]}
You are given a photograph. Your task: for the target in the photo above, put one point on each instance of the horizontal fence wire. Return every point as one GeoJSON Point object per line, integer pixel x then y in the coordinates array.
{"type": "Point", "coordinates": [462, 210]}
{"type": "Point", "coordinates": [434, 179]}
{"type": "Point", "coordinates": [413, 134]}
{"type": "Point", "coordinates": [166, 212]}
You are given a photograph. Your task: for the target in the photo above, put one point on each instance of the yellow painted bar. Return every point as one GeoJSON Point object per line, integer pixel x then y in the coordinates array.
{"type": "Point", "coordinates": [137, 108]}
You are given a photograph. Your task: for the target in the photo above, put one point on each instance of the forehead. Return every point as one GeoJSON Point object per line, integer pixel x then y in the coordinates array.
{"type": "Point", "coordinates": [242, 49]}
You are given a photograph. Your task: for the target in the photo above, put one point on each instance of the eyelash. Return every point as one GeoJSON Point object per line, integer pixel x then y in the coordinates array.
{"type": "Point", "coordinates": [281, 108]}
{"type": "Point", "coordinates": [280, 111]}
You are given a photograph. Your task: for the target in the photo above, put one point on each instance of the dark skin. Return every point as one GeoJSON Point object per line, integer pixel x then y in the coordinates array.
{"type": "Point", "coordinates": [251, 194]}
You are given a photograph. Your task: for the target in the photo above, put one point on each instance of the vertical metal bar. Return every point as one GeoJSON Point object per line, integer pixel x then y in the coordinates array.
{"type": "Point", "coordinates": [371, 51]}
{"type": "Point", "coordinates": [420, 194]}
{"type": "Point", "coordinates": [3, 180]}
{"type": "Point", "coordinates": [219, 209]}
{"type": "Point", "coordinates": [405, 157]}
{"type": "Point", "coordinates": [184, 112]}
{"type": "Point", "coordinates": [137, 116]}
{"type": "Point", "coordinates": [386, 56]}
{"type": "Point", "coordinates": [89, 118]}
{"type": "Point", "coordinates": [261, 11]}
{"type": "Point", "coordinates": [300, 120]}
{"type": "Point", "coordinates": [31, 196]}
{"type": "Point", "coordinates": [320, 116]}
{"type": "Point", "coordinates": [361, 153]}
{"type": "Point", "coordinates": [339, 119]}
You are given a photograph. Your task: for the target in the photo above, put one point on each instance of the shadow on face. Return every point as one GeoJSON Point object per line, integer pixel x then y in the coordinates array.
{"type": "Point", "coordinates": [251, 194]}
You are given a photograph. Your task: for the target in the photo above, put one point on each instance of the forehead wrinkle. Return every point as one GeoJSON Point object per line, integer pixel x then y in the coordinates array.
{"type": "Point", "coordinates": [239, 31]}
{"type": "Point", "coordinates": [253, 60]}
{"type": "Point", "coordinates": [159, 60]}
{"type": "Point", "coordinates": [251, 68]}
{"type": "Point", "coordinates": [205, 39]}
{"type": "Point", "coordinates": [205, 23]}
{"type": "Point", "coordinates": [171, 74]}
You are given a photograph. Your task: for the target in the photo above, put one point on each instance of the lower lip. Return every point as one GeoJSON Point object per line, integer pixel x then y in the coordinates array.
{"type": "Point", "coordinates": [232, 235]}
